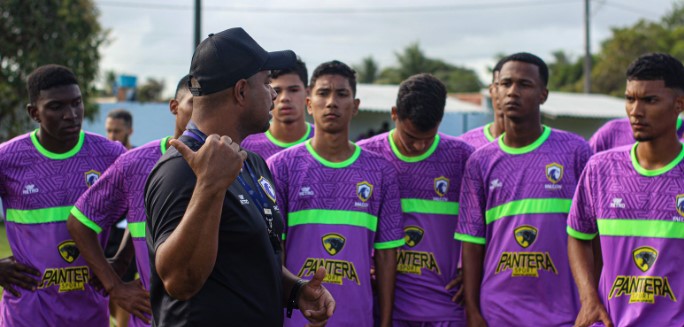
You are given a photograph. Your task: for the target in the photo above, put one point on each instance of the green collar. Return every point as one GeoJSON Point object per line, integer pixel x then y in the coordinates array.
{"type": "Point", "coordinates": [679, 123]}
{"type": "Point", "coordinates": [330, 164]}
{"type": "Point", "coordinates": [655, 172]}
{"type": "Point", "coordinates": [287, 145]}
{"type": "Point", "coordinates": [487, 133]}
{"type": "Point", "coordinates": [528, 148]}
{"type": "Point", "coordinates": [57, 156]}
{"type": "Point", "coordinates": [162, 145]}
{"type": "Point", "coordinates": [404, 158]}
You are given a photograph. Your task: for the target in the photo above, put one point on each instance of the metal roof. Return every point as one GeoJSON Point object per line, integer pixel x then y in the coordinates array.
{"type": "Point", "coordinates": [562, 104]}
{"type": "Point", "coordinates": [381, 98]}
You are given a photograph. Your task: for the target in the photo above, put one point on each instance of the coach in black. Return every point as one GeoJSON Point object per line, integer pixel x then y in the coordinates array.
{"type": "Point", "coordinates": [213, 224]}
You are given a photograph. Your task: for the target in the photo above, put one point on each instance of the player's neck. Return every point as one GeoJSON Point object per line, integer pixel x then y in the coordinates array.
{"type": "Point", "coordinates": [522, 133]}
{"type": "Point", "coordinates": [658, 153]}
{"type": "Point", "coordinates": [211, 125]}
{"type": "Point", "coordinates": [53, 145]}
{"type": "Point", "coordinates": [333, 147]}
{"type": "Point", "coordinates": [497, 127]}
{"type": "Point", "coordinates": [288, 132]}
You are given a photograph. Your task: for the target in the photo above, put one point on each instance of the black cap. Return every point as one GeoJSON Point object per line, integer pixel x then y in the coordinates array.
{"type": "Point", "coordinates": [224, 58]}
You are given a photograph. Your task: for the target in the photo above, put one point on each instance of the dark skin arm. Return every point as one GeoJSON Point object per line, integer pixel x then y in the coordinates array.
{"type": "Point", "coordinates": [386, 272]}
{"type": "Point", "coordinates": [473, 258]}
{"type": "Point", "coordinates": [130, 296]}
{"type": "Point", "coordinates": [14, 274]}
{"type": "Point", "coordinates": [581, 258]}
{"type": "Point", "coordinates": [458, 283]}
{"type": "Point", "coordinates": [314, 300]}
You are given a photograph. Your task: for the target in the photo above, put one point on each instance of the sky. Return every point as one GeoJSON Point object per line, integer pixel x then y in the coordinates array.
{"type": "Point", "coordinates": [155, 38]}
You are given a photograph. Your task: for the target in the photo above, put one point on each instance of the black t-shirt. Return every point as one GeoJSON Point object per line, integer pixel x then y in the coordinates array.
{"type": "Point", "coordinates": [245, 286]}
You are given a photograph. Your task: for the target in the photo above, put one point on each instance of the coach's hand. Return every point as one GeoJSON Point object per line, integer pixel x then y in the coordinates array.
{"type": "Point", "coordinates": [315, 302]}
{"type": "Point", "coordinates": [217, 163]}
{"type": "Point", "coordinates": [591, 312]}
{"type": "Point", "coordinates": [13, 273]}
{"type": "Point", "coordinates": [133, 298]}
{"type": "Point", "coordinates": [458, 283]}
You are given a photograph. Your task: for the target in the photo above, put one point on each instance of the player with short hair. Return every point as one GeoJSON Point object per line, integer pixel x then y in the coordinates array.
{"type": "Point", "coordinates": [119, 127]}
{"type": "Point", "coordinates": [632, 198]}
{"type": "Point", "coordinates": [288, 127]}
{"type": "Point", "coordinates": [429, 169]}
{"type": "Point", "coordinates": [120, 192]}
{"type": "Point", "coordinates": [42, 174]}
{"type": "Point", "coordinates": [515, 197]}
{"type": "Point", "coordinates": [339, 202]}
{"type": "Point", "coordinates": [484, 135]}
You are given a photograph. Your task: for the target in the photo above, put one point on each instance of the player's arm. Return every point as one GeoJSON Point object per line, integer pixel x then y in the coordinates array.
{"type": "Point", "coordinates": [386, 272]}
{"type": "Point", "coordinates": [186, 257]}
{"type": "Point", "coordinates": [473, 260]}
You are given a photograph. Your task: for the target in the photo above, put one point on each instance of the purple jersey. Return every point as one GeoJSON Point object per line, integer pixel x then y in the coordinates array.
{"type": "Point", "coordinates": [266, 145]}
{"type": "Point", "coordinates": [38, 188]}
{"type": "Point", "coordinates": [120, 192]}
{"type": "Point", "coordinates": [336, 213]}
{"type": "Point", "coordinates": [430, 186]}
{"type": "Point", "coordinates": [478, 137]}
{"type": "Point", "coordinates": [639, 216]}
{"type": "Point", "coordinates": [515, 201]}
{"type": "Point", "coordinates": [618, 132]}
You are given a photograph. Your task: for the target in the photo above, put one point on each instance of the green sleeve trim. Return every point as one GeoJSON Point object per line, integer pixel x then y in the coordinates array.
{"type": "Point", "coordinates": [528, 148]}
{"type": "Point", "coordinates": [429, 207]}
{"type": "Point", "coordinates": [469, 238]}
{"type": "Point", "coordinates": [404, 158]}
{"type": "Point", "coordinates": [57, 156]}
{"type": "Point", "coordinates": [641, 228]}
{"type": "Point", "coordinates": [528, 206]}
{"type": "Point", "coordinates": [163, 144]}
{"type": "Point", "coordinates": [679, 123]}
{"type": "Point", "coordinates": [332, 217]}
{"type": "Point", "coordinates": [651, 173]}
{"type": "Point", "coordinates": [389, 244]}
{"type": "Point", "coordinates": [38, 216]}
{"type": "Point", "coordinates": [85, 220]}
{"type": "Point", "coordinates": [330, 164]}
{"type": "Point", "coordinates": [138, 229]}
{"type": "Point", "coordinates": [579, 235]}
{"type": "Point", "coordinates": [488, 135]}
{"type": "Point", "coordinates": [282, 144]}
{"type": "Point", "coordinates": [283, 236]}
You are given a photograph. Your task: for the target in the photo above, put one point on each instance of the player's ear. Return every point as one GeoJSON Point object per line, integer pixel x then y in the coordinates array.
{"type": "Point", "coordinates": [357, 103]}
{"type": "Point", "coordinates": [679, 102]}
{"type": "Point", "coordinates": [173, 106]}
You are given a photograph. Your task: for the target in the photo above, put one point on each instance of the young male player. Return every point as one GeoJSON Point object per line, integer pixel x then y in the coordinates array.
{"type": "Point", "coordinates": [119, 127]}
{"type": "Point", "coordinates": [632, 198]}
{"type": "Point", "coordinates": [288, 127]}
{"type": "Point", "coordinates": [118, 193]}
{"type": "Point", "coordinates": [339, 203]}
{"type": "Point", "coordinates": [430, 167]}
{"type": "Point", "coordinates": [42, 174]}
{"type": "Point", "coordinates": [515, 197]}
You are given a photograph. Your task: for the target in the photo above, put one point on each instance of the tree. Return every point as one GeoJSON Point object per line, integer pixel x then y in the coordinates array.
{"type": "Point", "coordinates": [151, 91]}
{"type": "Point", "coordinates": [368, 70]}
{"type": "Point", "coordinates": [35, 33]}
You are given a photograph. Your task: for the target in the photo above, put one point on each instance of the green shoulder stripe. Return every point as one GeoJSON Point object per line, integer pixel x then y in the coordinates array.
{"type": "Point", "coordinates": [38, 216]}
{"type": "Point", "coordinates": [429, 207]}
{"type": "Point", "coordinates": [641, 228]}
{"type": "Point", "coordinates": [389, 244]}
{"type": "Point", "coordinates": [85, 220]}
{"type": "Point", "coordinates": [528, 206]}
{"type": "Point", "coordinates": [332, 217]}
{"type": "Point", "coordinates": [469, 238]}
{"type": "Point", "coordinates": [579, 235]}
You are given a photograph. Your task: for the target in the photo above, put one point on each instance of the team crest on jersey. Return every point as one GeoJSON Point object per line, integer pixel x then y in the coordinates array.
{"type": "Point", "coordinates": [68, 251]}
{"type": "Point", "coordinates": [268, 188]}
{"type": "Point", "coordinates": [364, 190]}
{"type": "Point", "coordinates": [554, 172]}
{"type": "Point", "coordinates": [441, 185]}
{"type": "Point", "coordinates": [680, 204]}
{"type": "Point", "coordinates": [91, 176]}
{"type": "Point", "coordinates": [644, 257]}
{"type": "Point", "coordinates": [525, 235]}
{"type": "Point", "coordinates": [413, 235]}
{"type": "Point", "coordinates": [333, 243]}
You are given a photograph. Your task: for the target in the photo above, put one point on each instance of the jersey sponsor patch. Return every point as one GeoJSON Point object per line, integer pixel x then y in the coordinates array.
{"type": "Point", "coordinates": [67, 278]}
{"type": "Point", "coordinates": [364, 190]}
{"type": "Point", "coordinates": [333, 243]}
{"type": "Point", "coordinates": [268, 188]}
{"type": "Point", "coordinates": [336, 270]}
{"type": "Point", "coordinates": [554, 173]}
{"type": "Point", "coordinates": [68, 251]}
{"type": "Point", "coordinates": [679, 202]}
{"type": "Point", "coordinates": [642, 289]}
{"type": "Point", "coordinates": [414, 262]}
{"type": "Point", "coordinates": [525, 235]}
{"type": "Point", "coordinates": [525, 264]}
{"type": "Point", "coordinates": [441, 185]}
{"type": "Point", "coordinates": [91, 176]}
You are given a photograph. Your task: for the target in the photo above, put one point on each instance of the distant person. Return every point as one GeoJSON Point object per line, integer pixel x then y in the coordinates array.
{"type": "Point", "coordinates": [481, 136]}
{"type": "Point", "coordinates": [618, 132]}
{"type": "Point", "coordinates": [42, 174]}
{"type": "Point", "coordinates": [118, 193]}
{"type": "Point", "coordinates": [384, 128]}
{"type": "Point", "coordinates": [339, 203]}
{"type": "Point", "coordinates": [119, 127]}
{"type": "Point", "coordinates": [430, 168]}
{"type": "Point", "coordinates": [288, 127]}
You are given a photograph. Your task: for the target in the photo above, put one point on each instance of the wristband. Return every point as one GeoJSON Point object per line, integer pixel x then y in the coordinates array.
{"type": "Point", "coordinates": [294, 295]}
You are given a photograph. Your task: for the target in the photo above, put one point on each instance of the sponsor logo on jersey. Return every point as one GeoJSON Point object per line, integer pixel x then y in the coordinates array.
{"type": "Point", "coordinates": [306, 191]}
{"type": "Point", "coordinates": [30, 189]}
{"type": "Point", "coordinates": [91, 176]}
{"type": "Point", "coordinates": [525, 264]}
{"type": "Point", "coordinates": [364, 190]}
{"type": "Point", "coordinates": [242, 199]}
{"type": "Point", "coordinates": [642, 289]}
{"type": "Point", "coordinates": [336, 270]}
{"type": "Point", "coordinates": [268, 188]}
{"type": "Point", "coordinates": [413, 262]}
{"type": "Point", "coordinates": [617, 203]}
{"type": "Point", "coordinates": [495, 184]}
{"type": "Point", "coordinates": [333, 243]}
{"type": "Point", "coordinates": [554, 173]}
{"type": "Point", "coordinates": [68, 251]}
{"type": "Point", "coordinates": [68, 278]}
{"type": "Point", "coordinates": [679, 202]}
{"type": "Point", "coordinates": [441, 185]}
